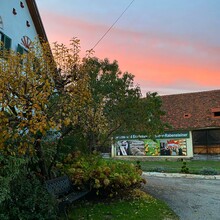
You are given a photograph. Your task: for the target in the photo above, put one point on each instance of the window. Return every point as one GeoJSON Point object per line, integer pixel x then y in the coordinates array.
{"type": "Point", "coordinates": [5, 43]}
{"type": "Point", "coordinates": [215, 112]}
{"type": "Point", "coordinates": [1, 36]}
{"type": "Point", "coordinates": [187, 115]}
{"type": "Point", "coordinates": [21, 49]}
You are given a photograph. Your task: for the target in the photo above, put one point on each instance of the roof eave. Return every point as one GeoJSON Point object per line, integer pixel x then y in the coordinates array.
{"type": "Point", "coordinates": [35, 15]}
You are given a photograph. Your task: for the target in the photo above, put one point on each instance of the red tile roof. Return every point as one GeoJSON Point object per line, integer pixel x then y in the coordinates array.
{"type": "Point", "coordinates": [192, 110]}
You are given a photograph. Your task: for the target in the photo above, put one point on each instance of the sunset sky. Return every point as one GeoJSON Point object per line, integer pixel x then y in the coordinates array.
{"type": "Point", "coordinates": [171, 46]}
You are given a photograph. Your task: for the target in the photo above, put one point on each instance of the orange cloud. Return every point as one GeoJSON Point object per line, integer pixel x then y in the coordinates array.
{"type": "Point", "coordinates": [160, 59]}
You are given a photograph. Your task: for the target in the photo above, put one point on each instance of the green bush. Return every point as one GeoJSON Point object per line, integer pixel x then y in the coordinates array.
{"type": "Point", "coordinates": [105, 177]}
{"type": "Point", "coordinates": [184, 168]}
{"type": "Point", "coordinates": [208, 171]}
{"type": "Point", "coordinates": [22, 195]}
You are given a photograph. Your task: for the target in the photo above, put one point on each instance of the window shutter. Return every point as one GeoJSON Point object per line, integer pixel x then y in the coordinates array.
{"type": "Point", "coordinates": [1, 41]}
{"type": "Point", "coordinates": [7, 43]}
{"type": "Point", "coordinates": [20, 49]}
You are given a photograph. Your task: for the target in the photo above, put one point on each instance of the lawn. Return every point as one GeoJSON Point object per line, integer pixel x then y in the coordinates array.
{"type": "Point", "coordinates": [195, 167]}
{"type": "Point", "coordinates": [145, 207]}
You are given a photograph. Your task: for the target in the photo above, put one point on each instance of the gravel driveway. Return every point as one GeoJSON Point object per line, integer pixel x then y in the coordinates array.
{"type": "Point", "coordinates": [191, 199]}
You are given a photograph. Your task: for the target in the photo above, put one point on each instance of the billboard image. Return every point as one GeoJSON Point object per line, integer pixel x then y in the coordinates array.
{"type": "Point", "coordinates": [142, 146]}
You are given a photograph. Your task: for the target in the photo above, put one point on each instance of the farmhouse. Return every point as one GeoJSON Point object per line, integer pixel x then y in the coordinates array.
{"type": "Point", "coordinates": [20, 24]}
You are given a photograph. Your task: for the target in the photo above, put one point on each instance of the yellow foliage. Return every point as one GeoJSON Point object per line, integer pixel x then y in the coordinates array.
{"type": "Point", "coordinates": [39, 93]}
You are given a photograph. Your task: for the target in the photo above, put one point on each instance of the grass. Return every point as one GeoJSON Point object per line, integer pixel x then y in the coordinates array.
{"type": "Point", "coordinates": [145, 207]}
{"type": "Point", "coordinates": [195, 167]}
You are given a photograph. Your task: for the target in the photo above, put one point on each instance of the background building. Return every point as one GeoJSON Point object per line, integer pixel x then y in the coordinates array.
{"type": "Point", "coordinates": [195, 129]}
{"type": "Point", "coordinates": [198, 113]}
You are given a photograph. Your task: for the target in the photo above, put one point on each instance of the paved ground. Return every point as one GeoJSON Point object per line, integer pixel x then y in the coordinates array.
{"type": "Point", "coordinates": [190, 198]}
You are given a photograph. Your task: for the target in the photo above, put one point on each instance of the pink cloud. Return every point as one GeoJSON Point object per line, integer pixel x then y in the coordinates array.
{"type": "Point", "coordinates": [158, 58]}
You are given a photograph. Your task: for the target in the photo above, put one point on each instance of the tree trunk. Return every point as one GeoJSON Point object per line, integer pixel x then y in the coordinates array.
{"type": "Point", "coordinates": [56, 156]}
{"type": "Point", "coordinates": [92, 142]}
{"type": "Point", "coordinates": [41, 159]}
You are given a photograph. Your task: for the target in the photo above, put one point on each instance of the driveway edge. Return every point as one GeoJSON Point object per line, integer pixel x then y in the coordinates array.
{"type": "Point", "coordinates": [191, 176]}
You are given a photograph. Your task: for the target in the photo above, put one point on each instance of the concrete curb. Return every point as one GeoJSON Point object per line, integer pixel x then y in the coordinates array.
{"type": "Point", "coordinates": [190, 176]}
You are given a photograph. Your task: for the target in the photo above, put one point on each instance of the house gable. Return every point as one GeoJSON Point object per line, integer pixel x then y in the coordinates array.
{"type": "Point", "coordinates": [20, 21]}
{"type": "Point", "coordinates": [32, 6]}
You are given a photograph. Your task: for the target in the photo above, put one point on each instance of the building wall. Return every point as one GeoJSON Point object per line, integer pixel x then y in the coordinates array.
{"type": "Point", "coordinates": [189, 145]}
{"type": "Point", "coordinates": [15, 26]}
{"type": "Point", "coordinates": [198, 112]}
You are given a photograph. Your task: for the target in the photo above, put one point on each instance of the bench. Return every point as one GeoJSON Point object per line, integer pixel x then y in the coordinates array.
{"type": "Point", "coordinates": [63, 190]}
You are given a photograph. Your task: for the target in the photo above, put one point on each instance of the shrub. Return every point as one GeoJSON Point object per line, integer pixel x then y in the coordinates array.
{"type": "Point", "coordinates": [138, 164]}
{"type": "Point", "coordinates": [184, 168]}
{"type": "Point", "coordinates": [105, 177]}
{"type": "Point", "coordinates": [208, 171]}
{"type": "Point", "coordinates": [22, 194]}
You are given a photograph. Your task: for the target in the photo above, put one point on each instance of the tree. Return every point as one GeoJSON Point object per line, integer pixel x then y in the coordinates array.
{"type": "Point", "coordinates": [26, 86]}
{"type": "Point", "coordinates": [116, 104]}
{"type": "Point", "coordinates": [38, 95]}
{"type": "Point", "coordinates": [45, 98]}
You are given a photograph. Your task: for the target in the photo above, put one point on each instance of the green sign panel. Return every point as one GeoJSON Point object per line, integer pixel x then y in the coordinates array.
{"type": "Point", "coordinates": [167, 135]}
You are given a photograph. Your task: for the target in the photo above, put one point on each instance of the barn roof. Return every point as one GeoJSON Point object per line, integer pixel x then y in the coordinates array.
{"type": "Point", "coordinates": [192, 110]}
